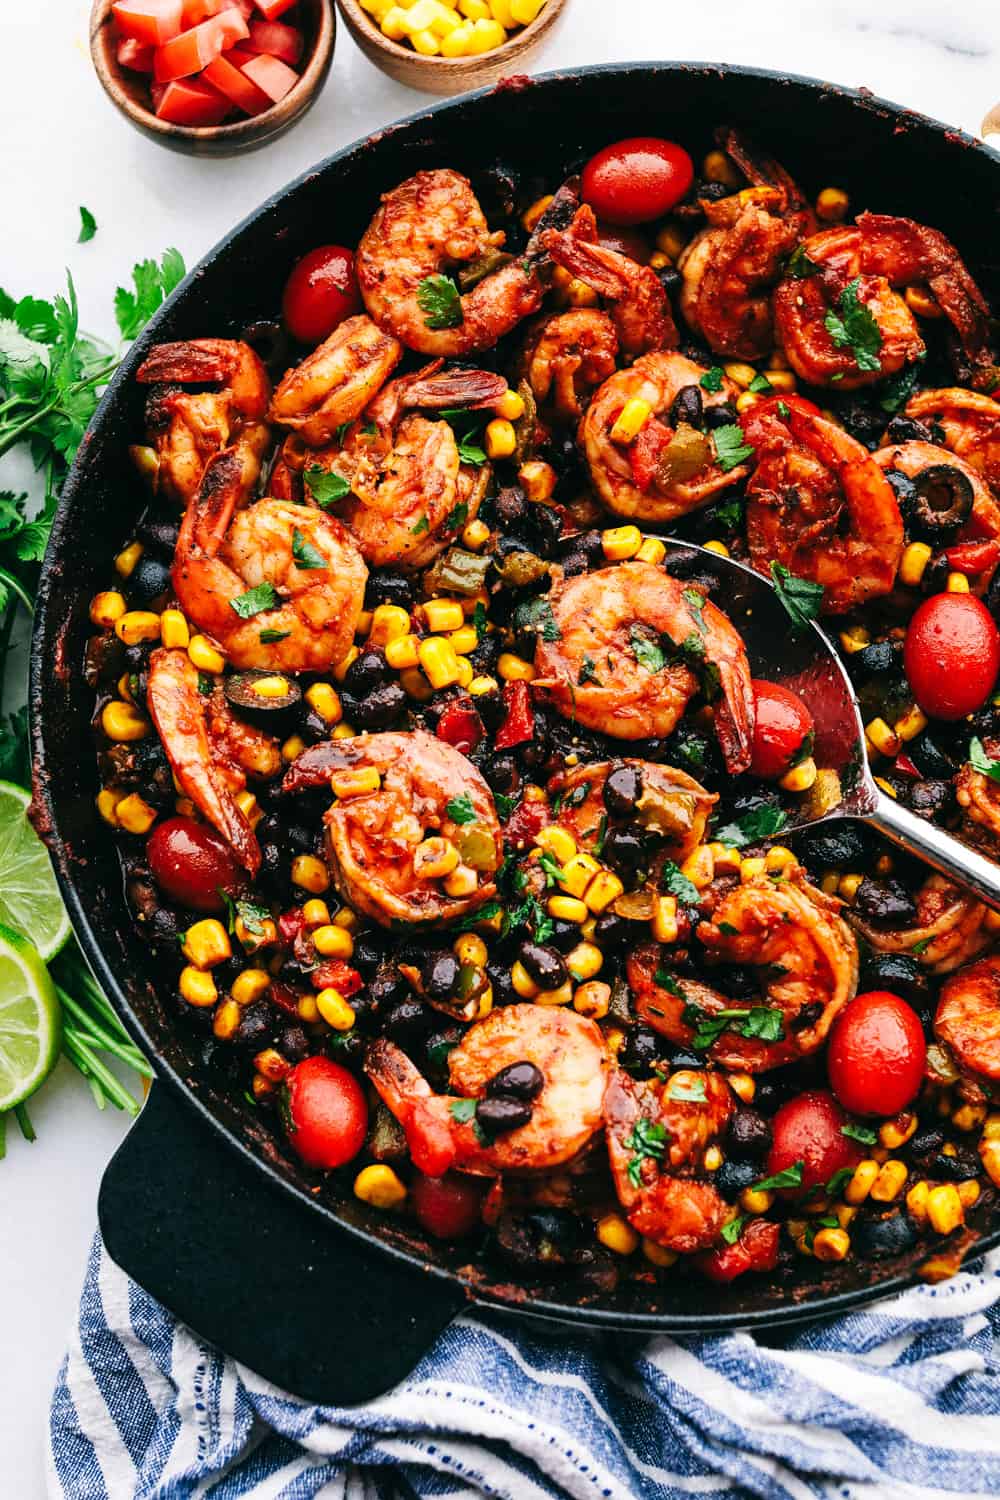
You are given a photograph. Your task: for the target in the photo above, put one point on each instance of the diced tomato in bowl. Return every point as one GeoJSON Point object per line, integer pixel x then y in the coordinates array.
{"type": "Point", "coordinates": [272, 9]}
{"type": "Point", "coordinates": [230, 80]}
{"type": "Point", "coordinates": [151, 22]}
{"type": "Point", "coordinates": [270, 74]}
{"type": "Point", "coordinates": [188, 101]}
{"type": "Point", "coordinates": [138, 56]}
{"type": "Point", "coordinates": [193, 50]}
{"type": "Point", "coordinates": [277, 40]}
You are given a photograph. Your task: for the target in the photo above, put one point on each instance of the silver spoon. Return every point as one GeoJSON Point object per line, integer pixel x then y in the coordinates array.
{"type": "Point", "coordinates": [804, 660]}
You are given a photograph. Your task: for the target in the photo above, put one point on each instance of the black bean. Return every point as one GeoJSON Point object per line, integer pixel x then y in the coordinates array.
{"type": "Point", "coordinates": [148, 581]}
{"type": "Point", "coordinates": [877, 1239]}
{"type": "Point", "coordinates": [720, 414]}
{"type": "Point", "coordinates": [873, 660]}
{"type": "Point", "coordinates": [497, 1116]}
{"type": "Point", "coordinates": [733, 1176]}
{"type": "Point", "coordinates": [386, 587]}
{"type": "Point", "coordinates": [367, 671]}
{"type": "Point", "coordinates": [564, 935]}
{"type": "Point", "coordinates": [161, 534]}
{"type": "Point", "coordinates": [622, 790]}
{"type": "Point", "coordinates": [511, 505]}
{"type": "Point", "coordinates": [739, 981]}
{"type": "Point", "coordinates": [906, 430]}
{"type": "Point", "coordinates": [899, 973]}
{"type": "Point", "coordinates": [407, 1022]}
{"type": "Point", "coordinates": [255, 1026]}
{"type": "Point", "coordinates": [925, 1141]}
{"type": "Point", "coordinates": [610, 930]}
{"type": "Point", "coordinates": [838, 845]}
{"type": "Point", "coordinates": [294, 1044]}
{"type": "Point", "coordinates": [368, 954]}
{"type": "Point", "coordinates": [163, 926]}
{"type": "Point", "coordinates": [520, 1080]}
{"type": "Point", "coordinates": [749, 1133]}
{"type": "Point", "coordinates": [641, 1049]}
{"type": "Point", "coordinates": [624, 849]}
{"type": "Point", "coordinates": [544, 964]}
{"type": "Point", "coordinates": [501, 983]}
{"type": "Point", "coordinates": [961, 1167]}
{"type": "Point", "coordinates": [930, 799]}
{"type": "Point", "coordinates": [388, 984]}
{"type": "Point", "coordinates": [380, 707]}
{"type": "Point", "coordinates": [929, 757]}
{"type": "Point", "coordinates": [885, 903]}
{"type": "Point", "coordinates": [501, 772]}
{"type": "Point", "coordinates": [688, 406]}
{"type": "Point", "coordinates": [440, 974]}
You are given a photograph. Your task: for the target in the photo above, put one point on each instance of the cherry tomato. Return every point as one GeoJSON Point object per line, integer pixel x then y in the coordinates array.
{"type": "Point", "coordinates": [326, 1115]}
{"type": "Point", "coordinates": [808, 1129]}
{"type": "Point", "coordinates": [876, 1055]}
{"type": "Point", "coordinates": [192, 865]}
{"type": "Point", "coordinates": [635, 180]}
{"type": "Point", "coordinates": [782, 731]}
{"type": "Point", "coordinates": [626, 241]}
{"type": "Point", "coordinates": [755, 1250]}
{"type": "Point", "coordinates": [951, 655]}
{"type": "Point", "coordinates": [320, 293]}
{"type": "Point", "coordinates": [447, 1207]}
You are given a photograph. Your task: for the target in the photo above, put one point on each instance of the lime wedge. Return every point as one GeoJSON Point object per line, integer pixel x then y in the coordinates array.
{"type": "Point", "coordinates": [30, 1020]}
{"type": "Point", "coordinates": [29, 897]}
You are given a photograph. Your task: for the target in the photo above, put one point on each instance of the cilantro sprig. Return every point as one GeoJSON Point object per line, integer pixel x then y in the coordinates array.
{"type": "Point", "coordinates": [647, 1140]}
{"type": "Point", "coordinates": [800, 598]}
{"type": "Point", "coordinates": [440, 302]}
{"type": "Point", "coordinates": [981, 762]}
{"type": "Point", "coordinates": [852, 326]}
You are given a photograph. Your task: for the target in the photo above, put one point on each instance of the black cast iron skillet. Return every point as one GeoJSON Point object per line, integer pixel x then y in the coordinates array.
{"type": "Point", "coordinates": [291, 1275]}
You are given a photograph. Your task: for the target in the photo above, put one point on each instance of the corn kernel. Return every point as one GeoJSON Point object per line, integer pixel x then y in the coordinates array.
{"type": "Point", "coordinates": [561, 996]}
{"type": "Point", "coordinates": [782, 382]}
{"type": "Point", "coordinates": [832, 205]}
{"type": "Point", "coordinates": [592, 999]}
{"type": "Point", "coordinates": [443, 614]}
{"type": "Point", "coordinates": [226, 1020]}
{"type": "Point", "coordinates": [911, 724]}
{"type": "Point", "coordinates": [752, 867]}
{"type": "Point", "coordinates": [885, 740]}
{"type": "Point", "coordinates": [712, 1159]}
{"type": "Point", "coordinates": [392, 24]}
{"type": "Point", "coordinates": [652, 551]}
{"type": "Point", "coordinates": [359, 782]}
{"type": "Point", "coordinates": [123, 722]}
{"type": "Point", "coordinates": [324, 699]}
{"type": "Point", "coordinates": [657, 1255]}
{"type": "Point", "coordinates": [138, 625]}
{"type": "Point", "coordinates": [617, 1235]}
{"type": "Point", "coordinates": [847, 886]}
{"type": "Point", "coordinates": [207, 943]}
{"type": "Point", "coordinates": [855, 639]}
{"type": "Point", "coordinates": [389, 623]}
{"type": "Point", "coordinates": [514, 668]}
{"type": "Point", "coordinates": [377, 9]}
{"type": "Point", "coordinates": [957, 583]}
{"type": "Point", "coordinates": [292, 748]}
{"type": "Point", "coordinates": [197, 987]}
{"type": "Point", "coordinates": [756, 1200]}
{"type": "Point", "coordinates": [916, 1201]}
{"type": "Point", "coordinates": [965, 1118]}
{"type": "Point", "coordinates": [621, 542]}
{"type": "Point", "coordinates": [510, 405]}
{"type": "Point", "coordinates": [204, 656]}
{"type": "Point", "coordinates": [670, 241]}
{"type": "Point", "coordinates": [890, 1181]}
{"type": "Point", "coordinates": [922, 302]}
{"type": "Point", "coordinates": [778, 858]}
{"type": "Point", "coordinates": [602, 890]}
{"type": "Point", "coordinates": [566, 909]}
{"type": "Point", "coordinates": [741, 374]}
{"type": "Point", "coordinates": [474, 10]}
{"type": "Point", "coordinates": [174, 631]}
{"type": "Point", "coordinates": [476, 535]}
{"type": "Point", "coordinates": [470, 949]}
{"type": "Point", "coordinates": [914, 561]}
{"type": "Point", "coordinates": [134, 815]}
{"type": "Point", "coordinates": [743, 1085]}
{"type": "Point", "coordinates": [126, 560]}
{"type": "Point", "coordinates": [746, 400]}
{"type": "Point", "coordinates": [522, 981]}
{"type": "Point", "coordinates": [831, 1244]}
{"type": "Point", "coordinates": [332, 941]}
{"type": "Point", "coordinates": [944, 1208]}
{"type": "Point", "coordinates": [107, 609]}
{"type": "Point", "coordinates": [538, 480]}
{"type": "Point", "coordinates": [664, 919]}
{"type": "Point", "coordinates": [249, 985]}
{"type": "Point", "coordinates": [718, 168]}
{"type": "Point", "coordinates": [699, 867]}
{"type": "Point", "coordinates": [558, 842]}
{"type": "Point", "coordinates": [401, 652]}
{"type": "Point", "coordinates": [584, 961]}
{"type": "Point", "coordinates": [425, 42]}
{"type": "Point", "coordinates": [531, 216]}
{"type": "Point", "coordinates": [895, 1133]}
{"type": "Point", "coordinates": [435, 858]}
{"type": "Point", "coordinates": [725, 858]}
{"type": "Point", "coordinates": [631, 420]}
{"type": "Point", "coordinates": [379, 1186]}
{"type": "Point", "coordinates": [310, 874]}
{"type": "Point", "coordinates": [501, 439]}
{"type": "Point", "coordinates": [464, 640]}
{"type": "Point", "coordinates": [480, 685]}
{"type": "Point", "coordinates": [578, 873]}
{"type": "Point", "coordinates": [439, 661]}
{"type": "Point", "coordinates": [334, 1009]}
{"type": "Point", "coordinates": [463, 881]}
{"type": "Point", "coordinates": [107, 801]}
{"type": "Point", "coordinates": [261, 1087]}
{"type": "Point", "coordinates": [801, 777]}
{"type": "Point", "coordinates": [968, 1192]}
{"type": "Point", "coordinates": [525, 11]}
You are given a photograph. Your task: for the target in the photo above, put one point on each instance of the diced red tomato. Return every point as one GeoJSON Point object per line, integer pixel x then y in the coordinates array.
{"type": "Point", "coordinates": [525, 822]}
{"type": "Point", "coordinates": [644, 453]}
{"type": "Point", "coordinates": [755, 1250]}
{"type": "Point", "coordinates": [238, 56]}
{"type": "Point", "coordinates": [188, 101]}
{"type": "Point", "coordinates": [151, 22]}
{"type": "Point", "coordinates": [519, 725]}
{"type": "Point", "coordinates": [290, 925]}
{"type": "Point", "coordinates": [461, 727]}
{"type": "Point", "coordinates": [284, 997]}
{"type": "Point", "coordinates": [273, 76]}
{"type": "Point", "coordinates": [272, 9]}
{"type": "Point", "coordinates": [336, 975]}
{"type": "Point", "coordinates": [284, 42]}
{"type": "Point", "coordinates": [971, 558]}
{"type": "Point", "coordinates": [135, 55]}
{"type": "Point", "coordinates": [238, 89]}
{"type": "Point", "coordinates": [193, 50]}
{"type": "Point", "coordinates": [196, 11]}
{"type": "Point", "coordinates": [903, 766]}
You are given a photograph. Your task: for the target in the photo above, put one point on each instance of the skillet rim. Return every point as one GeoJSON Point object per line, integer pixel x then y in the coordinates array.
{"type": "Point", "coordinates": [45, 634]}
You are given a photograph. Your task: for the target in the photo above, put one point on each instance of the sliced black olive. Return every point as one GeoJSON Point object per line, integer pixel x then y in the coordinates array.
{"type": "Point", "coordinates": [622, 790]}
{"type": "Point", "coordinates": [387, 587]}
{"type": "Point", "coordinates": [961, 1167]}
{"type": "Point", "coordinates": [942, 501]}
{"type": "Point", "coordinates": [407, 1022]}
{"type": "Point", "coordinates": [641, 1049]}
{"type": "Point", "coordinates": [520, 1080]}
{"type": "Point", "coordinates": [270, 340]}
{"type": "Point", "coordinates": [544, 964]}
{"type": "Point", "coordinates": [501, 770]}
{"type": "Point", "coordinates": [749, 1133]}
{"type": "Point", "coordinates": [876, 659]}
{"type": "Point", "coordinates": [903, 488]}
{"type": "Point", "coordinates": [380, 707]}
{"type": "Point", "coordinates": [682, 1057]}
{"type": "Point", "coordinates": [930, 758]}
{"type": "Point", "coordinates": [934, 578]}
{"type": "Point", "coordinates": [688, 406]}
{"type": "Point", "coordinates": [838, 845]}
{"type": "Point", "coordinates": [877, 1239]}
{"type": "Point", "coordinates": [739, 981]}
{"type": "Point", "coordinates": [885, 903]}
{"type": "Point", "coordinates": [388, 984]}
{"type": "Point", "coordinates": [440, 974]}
{"type": "Point", "coordinates": [148, 581]}
{"type": "Point", "coordinates": [268, 708]}
{"type": "Point", "coordinates": [539, 1242]}
{"type": "Point", "coordinates": [497, 1116]}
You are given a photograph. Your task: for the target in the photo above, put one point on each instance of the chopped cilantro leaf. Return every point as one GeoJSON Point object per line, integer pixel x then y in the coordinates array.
{"type": "Point", "coordinates": [648, 1138]}
{"type": "Point", "coordinates": [456, 517]}
{"type": "Point", "coordinates": [894, 393]}
{"type": "Point", "coordinates": [588, 672]}
{"type": "Point", "coordinates": [732, 1231]}
{"type": "Point", "coordinates": [854, 328]}
{"type": "Point", "coordinates": [646, 652]}
{"type": "Point", "coordinates": [304, 553]}
{"type": "Point", "coordinates": [758, 823]}
{"type": "Point", "coordinates": [440, 301]}
{"type": "Point", "coordinates": [422, 525]}
{"type": "Point", "coordinates": [800, 597]}
{"type": "Point", "coordinates": [863, 1133]}
{"type": "Point", "coordinates": [677, 884]}
{"type": "Point", "coordinates": [255, 600]}
{"type": "Point", "coordinates": [712, 379]}
{"type": "Point", "coordinates": [789, 1177]}
{"type": "Point", "coordinates": [731, 449]}
{"type": "Point", "coordinates": [270, 637]}
{"type": "Point", "coordinates": [667, 982]}
{"type": "Point", "coordinates": [88, 226]}
{"type": "Point", "coordinates": [760, 385]}
{"type": "Point", "coordinates": [536, 615]}
{"type": "Point", "coordinates": [461, 810]}
{"type": "Point", "coordinates": [800, 266]}
{"type": "Point", "coordinates": [325, 488]}
{"type": "Point", "coordinates": [981, 762]}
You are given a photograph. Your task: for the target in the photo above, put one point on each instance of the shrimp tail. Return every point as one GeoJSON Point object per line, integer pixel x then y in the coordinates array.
{"type": "Point", "coordinates": [223, 489]}
{"type": "Point", "coordinates": [200, 361]}
{"type": "Point", "coordinates": [177, 709]}
{"type": "Point", "coordinates": [468, 389]}
{"type": "Point", "coordinates": [407, 1096]}
{"type": "Point", "coordinates": [560, 214]}
{"type": "Point", "coordinates": [758, 169]}
{"type": "Point", "coordinates": [734, 719]}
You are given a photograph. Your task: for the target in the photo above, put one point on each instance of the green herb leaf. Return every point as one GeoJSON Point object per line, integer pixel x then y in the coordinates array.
{"type": "Point", "coordinates": [152, 284]}
{"type": "Point", "coordinates": [88, 226]}
{"type": "Point", "coordinates": [758, 823]}
{"type": "Point", "coordinates": [921, 946]}
{"type": "Point", "coordinates": [760, 385]}
{"type": "Point", "coordinates": [712, 379]}
{"type": "Point", "coordinates": [800, 597]}
{"type": "Point", "coordinates": [675, 883]}
{"type": "Point", "coordinates": [667, 982]}
{"type": "Point", "coordinates": [325, 488]}
{"type": "Point", "coordinates": [732, 1231]}
{"type": "Point", "coordinates": [552, 868]}
{"type": "Point", "coordinates": [855, 328]}
{"type": "Point", "coordinates": [461, 810]}
{"type": "Point", "coordinates": [894, 393]}
{"type": "Point", "coordinates": [270, 637]}
{"type": "Point", "coordinates": [536, 615]}
{"type": "Point", "coordinates": [588, 672]}
{"type": "Point", "coordinates": [837, 1181]}
{"type": "Point", "coordinates": [646, 652]}
{"type": "Point", "coordinates": [471, 453]}
{"type": "Point", "coordinates": [981, 762]}
{"type": "Point", "coordinates": [484, 913]}
{"type": "Point", "coordinates": [504, 805]}
{"type": "Point", "coordinates": [764, 1022]}
{"type": "Point", "coordinates": [422, 525]}
{"type": "Point", "coordinates": [648, 1138]}
{"type": "Point", "coordinates": [731, 449]}
{"type": "Point", "coordinates": [462, 1110]}
{"type": "Point", "coordinates": [304, 553]}
{"type": "Point", "coordinates": [863, 1133]}
{"type": "Point", "coordinates": [206, 684]}
{"type": "Point", "coordinates": [456, 517]}
{"type": "Point", "coordinates": [784, 410]}
{"type": "Point", "coordinates": [255, 600]}
{"type": "Point", "coordinates": [800, 266]}
{"type": "Point", "coordinates": [692, 1092]}
{"type": "Point", "coordinates": [440, 301]}
{"type": "Point", "coordinates": [730, 514]}
{"type": "Point", "coordinates": [789, 1177]}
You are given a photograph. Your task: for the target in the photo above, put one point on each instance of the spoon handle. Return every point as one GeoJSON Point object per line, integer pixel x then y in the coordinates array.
{"type": "Point", "coordinates": [941, 850]}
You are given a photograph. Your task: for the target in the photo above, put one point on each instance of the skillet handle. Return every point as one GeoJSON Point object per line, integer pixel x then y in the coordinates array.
{"type": "Point", "coordinates": [946, 854]}
{"type": "Point", "coordinates": [253, 1271]}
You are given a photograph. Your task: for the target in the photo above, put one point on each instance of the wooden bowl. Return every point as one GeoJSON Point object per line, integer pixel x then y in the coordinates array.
{"type": "Point", "coordinates": [447, 75]}
{"type": "Point", "coordinates": [129, 91]}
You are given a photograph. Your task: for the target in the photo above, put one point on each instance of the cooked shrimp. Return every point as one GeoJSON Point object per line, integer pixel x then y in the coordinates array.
{"type": "Point", "coordinates": [209, 750]}
{"type": "Point", "coordinates": [820, 505]}
{"type": "Point", "coordinates": [410, 492]}
{"type": "Point", "coordinates": [567, 1050]}
{"type": "Point", "coordinates": [189, 429]}
{"type": "Point", "coordinates": [956, 480]}
{"type": "Point", "coordinates": [335, 383]}
{"type": "Point", "coordinates": [807, 960]}
{"type": "Point", "coordinates": [948, 932]}
{"type": "Point", "coordinates": [978, 795]}
{"type": "Point", "coordinates": [967, 1018]}
{"type": "Point", "coordinates": [729, 269]}
{"type": "Point", "coordinates": [670, 468]}
{"type": "Point", "coordinates": [873, 256]}
{"type": "Point", "coordinates": [609, 670]}
{"type": "Point", "coordinates": [656, 1145]}
{"type": "Point", "coordinates": [304, 562]}
{"type": "Point", "coordinates": [970, 427]}
{"type": "Point", "coordinates": [640, 307]}
{"type": "Point", "coordinates": [377, 842]}
{"type": "Point", "coordinates": [427, 227]}
{"type": "Point", "coordinates": [567, 355]}
{"type": "Point", "coordinates": [672, 807]}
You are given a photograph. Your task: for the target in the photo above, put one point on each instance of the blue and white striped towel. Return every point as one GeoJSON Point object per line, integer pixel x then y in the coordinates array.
{"type": "Point", "coordinates": [900, 1400]}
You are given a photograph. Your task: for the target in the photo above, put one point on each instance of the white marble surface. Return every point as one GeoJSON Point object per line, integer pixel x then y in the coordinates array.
{"type": "Point", "coordinates": [63, 145]}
